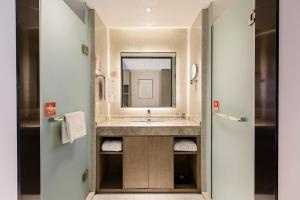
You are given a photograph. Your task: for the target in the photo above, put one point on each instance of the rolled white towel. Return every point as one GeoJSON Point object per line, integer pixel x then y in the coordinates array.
{"type": "Point", "coordinates": [185, 145]}
{"type": "Point", "coordinates": [112, 145]}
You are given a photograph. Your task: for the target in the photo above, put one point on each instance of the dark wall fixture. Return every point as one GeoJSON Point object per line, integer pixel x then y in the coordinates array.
{"type": "Point", "coordinates": [266, 92]}
{"type": "Point", "coordinates": [28, 98]}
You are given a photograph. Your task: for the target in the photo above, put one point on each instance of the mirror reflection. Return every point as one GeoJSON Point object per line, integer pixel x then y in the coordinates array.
{"type": "Point", "coordinates": [148, 79]}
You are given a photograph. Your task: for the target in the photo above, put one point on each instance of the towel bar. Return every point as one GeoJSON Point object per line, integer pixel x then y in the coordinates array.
{"type": "Point", "coordinates": [56, 119]}
{"type": "Point", "coordinates": [232, 118]}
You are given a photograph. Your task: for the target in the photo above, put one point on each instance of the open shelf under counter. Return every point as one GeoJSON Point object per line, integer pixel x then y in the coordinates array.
{"type": "Point", "coordinates": [148, 161]}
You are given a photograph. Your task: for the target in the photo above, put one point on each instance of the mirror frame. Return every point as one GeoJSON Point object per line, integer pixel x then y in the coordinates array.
{"type": "Point", "coordinates": [149, 57]}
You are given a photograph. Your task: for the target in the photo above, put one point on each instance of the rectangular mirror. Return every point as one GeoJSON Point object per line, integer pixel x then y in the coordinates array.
{"type": "Point", "coordinates": [148, 79]}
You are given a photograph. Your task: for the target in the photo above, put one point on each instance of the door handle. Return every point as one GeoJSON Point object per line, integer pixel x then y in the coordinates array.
{"type": "Point", "coordinates": [230, 117]}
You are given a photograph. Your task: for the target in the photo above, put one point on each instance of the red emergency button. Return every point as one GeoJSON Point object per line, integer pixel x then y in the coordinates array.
{"type": "Point", "coordinates": [216, 105]}
{"type": "Point", "coordinates": [50, 109]}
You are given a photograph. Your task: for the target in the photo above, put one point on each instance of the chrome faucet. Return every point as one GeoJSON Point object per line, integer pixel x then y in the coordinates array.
{"type": "Point", "coordinates": [148, 115]}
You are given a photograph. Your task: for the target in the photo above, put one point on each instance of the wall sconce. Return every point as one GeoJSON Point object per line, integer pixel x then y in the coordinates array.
{"type": "Point", "coordinates": [194, 73]}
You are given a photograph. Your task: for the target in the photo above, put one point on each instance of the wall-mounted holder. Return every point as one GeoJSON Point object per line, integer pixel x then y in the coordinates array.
{"type": "Point", "coordinates": [85, 50]}
{"type": "Point", "coordinates": [102, 86]}
{"type": "Point", "coordinates": [251, 20]}
{"type": "Point", "coordinates": [232, 118]}
{"type": "Point", "coordinates": [194, 73]}
{"type": "Point", "coordinates": [56, 119]}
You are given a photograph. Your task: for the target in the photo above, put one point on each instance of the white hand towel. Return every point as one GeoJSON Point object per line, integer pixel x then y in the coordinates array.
{"type": "Point", "coordinates": [73, 127]}
{"type": "Point", "coordinates": [185, 145]}
{"type": "Point", "coordinates": [64, 134]}
{"type": "Point", "coordinates": [112, 145]}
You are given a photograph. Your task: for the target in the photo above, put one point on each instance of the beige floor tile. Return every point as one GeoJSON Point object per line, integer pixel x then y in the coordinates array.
{"type": "Point", "coordinates": [146, 196]}
{"type": "Point", "coordinates": [30, 197]}
{"type": "Point", "coordinates": [264, 197]}
{"type": "Point", "coordinates": [193, 197]}
{"type": "Point", "coordinates": [114, 197]}
{"type": "Point", "coordinates": [158, 197]}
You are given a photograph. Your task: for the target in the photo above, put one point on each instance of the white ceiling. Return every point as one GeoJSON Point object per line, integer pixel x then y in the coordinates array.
{"type": "Point", "coordinates": [132, 13]}
{"type": "Point", "coordinates": [146, 63]}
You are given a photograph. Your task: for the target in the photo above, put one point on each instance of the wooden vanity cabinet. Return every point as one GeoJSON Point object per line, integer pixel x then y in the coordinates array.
{"type": "Point", "coordinates": [148, 162]}
{"type": "Point", "coordinates": [136, 157]}
{"type": "Point", "coordinates": [161, 162]}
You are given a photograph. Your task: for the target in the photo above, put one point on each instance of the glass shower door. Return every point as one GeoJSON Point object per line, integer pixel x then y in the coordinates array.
{"type": "Point", "coordinates": [65, 79]}
{"type": "Point", "coordinates": [233, 81]}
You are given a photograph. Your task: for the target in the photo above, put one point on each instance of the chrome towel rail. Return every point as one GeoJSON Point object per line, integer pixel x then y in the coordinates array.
{"type": "Point", "coordinates": [56, 119]}
{"type": "Point", "coordinates": [232, 118]}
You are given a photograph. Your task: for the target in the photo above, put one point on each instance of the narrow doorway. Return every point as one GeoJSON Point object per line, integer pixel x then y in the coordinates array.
{"type": "Point", "coordinates": [28, 99]}
{"type": "Point", "coordinates": [266, 92]}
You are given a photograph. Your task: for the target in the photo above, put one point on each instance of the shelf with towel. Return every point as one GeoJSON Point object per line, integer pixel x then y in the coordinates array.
{"type": "Point", "coordinates": [109, 163]}
{"type": "Point", "coordinates": [185, 145]}
{"type": "Point", "coordinates": [111, 145]}
{"type": "Point", "coordinates": [186, 163]}
{"type": "Point", "coordinates": [148, 164]}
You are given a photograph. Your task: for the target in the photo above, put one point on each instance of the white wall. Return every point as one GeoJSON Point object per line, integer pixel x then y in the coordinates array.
{"type": "Point", "coordinates": [289, 99]}
{"type": "Point", "coordinates": [195, 98]}
{"type": "Point", "coordinates": [101, 43]}
{"type": "Point", "coordinates": [8, 116]}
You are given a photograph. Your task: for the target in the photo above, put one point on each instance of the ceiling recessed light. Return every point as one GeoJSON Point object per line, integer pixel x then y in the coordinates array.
{"type": "Point", "coordinates": [148, 9]}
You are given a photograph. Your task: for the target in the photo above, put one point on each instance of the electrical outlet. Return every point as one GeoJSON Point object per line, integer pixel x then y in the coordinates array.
{"type": "Point", "coordinates": [85, 175]}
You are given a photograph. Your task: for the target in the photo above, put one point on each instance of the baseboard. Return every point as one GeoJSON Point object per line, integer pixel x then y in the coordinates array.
{"type": "Point", "coordinates": [90, 196]}
{"type": "Point", "coordinates": [206, 196]}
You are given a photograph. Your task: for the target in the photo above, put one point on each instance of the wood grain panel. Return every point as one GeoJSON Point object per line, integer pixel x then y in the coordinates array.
{"type": "Point", "coordinates": [161, 162]}
{"type": "Point", "coordinates": [136, 162]}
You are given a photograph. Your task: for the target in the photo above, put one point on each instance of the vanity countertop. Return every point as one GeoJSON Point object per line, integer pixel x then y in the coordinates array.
{"type": "Point", "coordinates": [157, 122]}
{"type": "Point", "coordinates": [161, 126]}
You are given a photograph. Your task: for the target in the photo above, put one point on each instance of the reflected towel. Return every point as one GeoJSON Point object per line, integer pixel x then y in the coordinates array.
{"type": "Point", "coordinates": [73, 127]}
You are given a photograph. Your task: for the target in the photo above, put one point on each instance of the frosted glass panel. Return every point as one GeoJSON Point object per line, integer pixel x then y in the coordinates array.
{"type": "Point", "coordinates": [65, 79]}
{"type": "Point", "coordinates": [233, 72]}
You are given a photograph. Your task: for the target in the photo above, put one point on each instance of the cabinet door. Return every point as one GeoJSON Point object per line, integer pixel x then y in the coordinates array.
{"type": "Point", "coordinates": [161, 162]}
{"type": "Point", "coordinates": [136, 162]}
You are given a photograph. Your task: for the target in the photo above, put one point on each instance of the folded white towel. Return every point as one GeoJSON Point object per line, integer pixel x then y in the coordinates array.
{"type": "Point", "coordinates": [185, 145]}
{"type": "Point", "coordinates": [112, 145]}
{"type": "Point", "coordinates": [73, 127]}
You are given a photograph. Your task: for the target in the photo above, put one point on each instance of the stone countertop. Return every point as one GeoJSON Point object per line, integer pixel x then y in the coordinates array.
{"type": "Point", "coordinates": [137, 127]}
{"type": "Point", "coordinates": [141, 122]}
